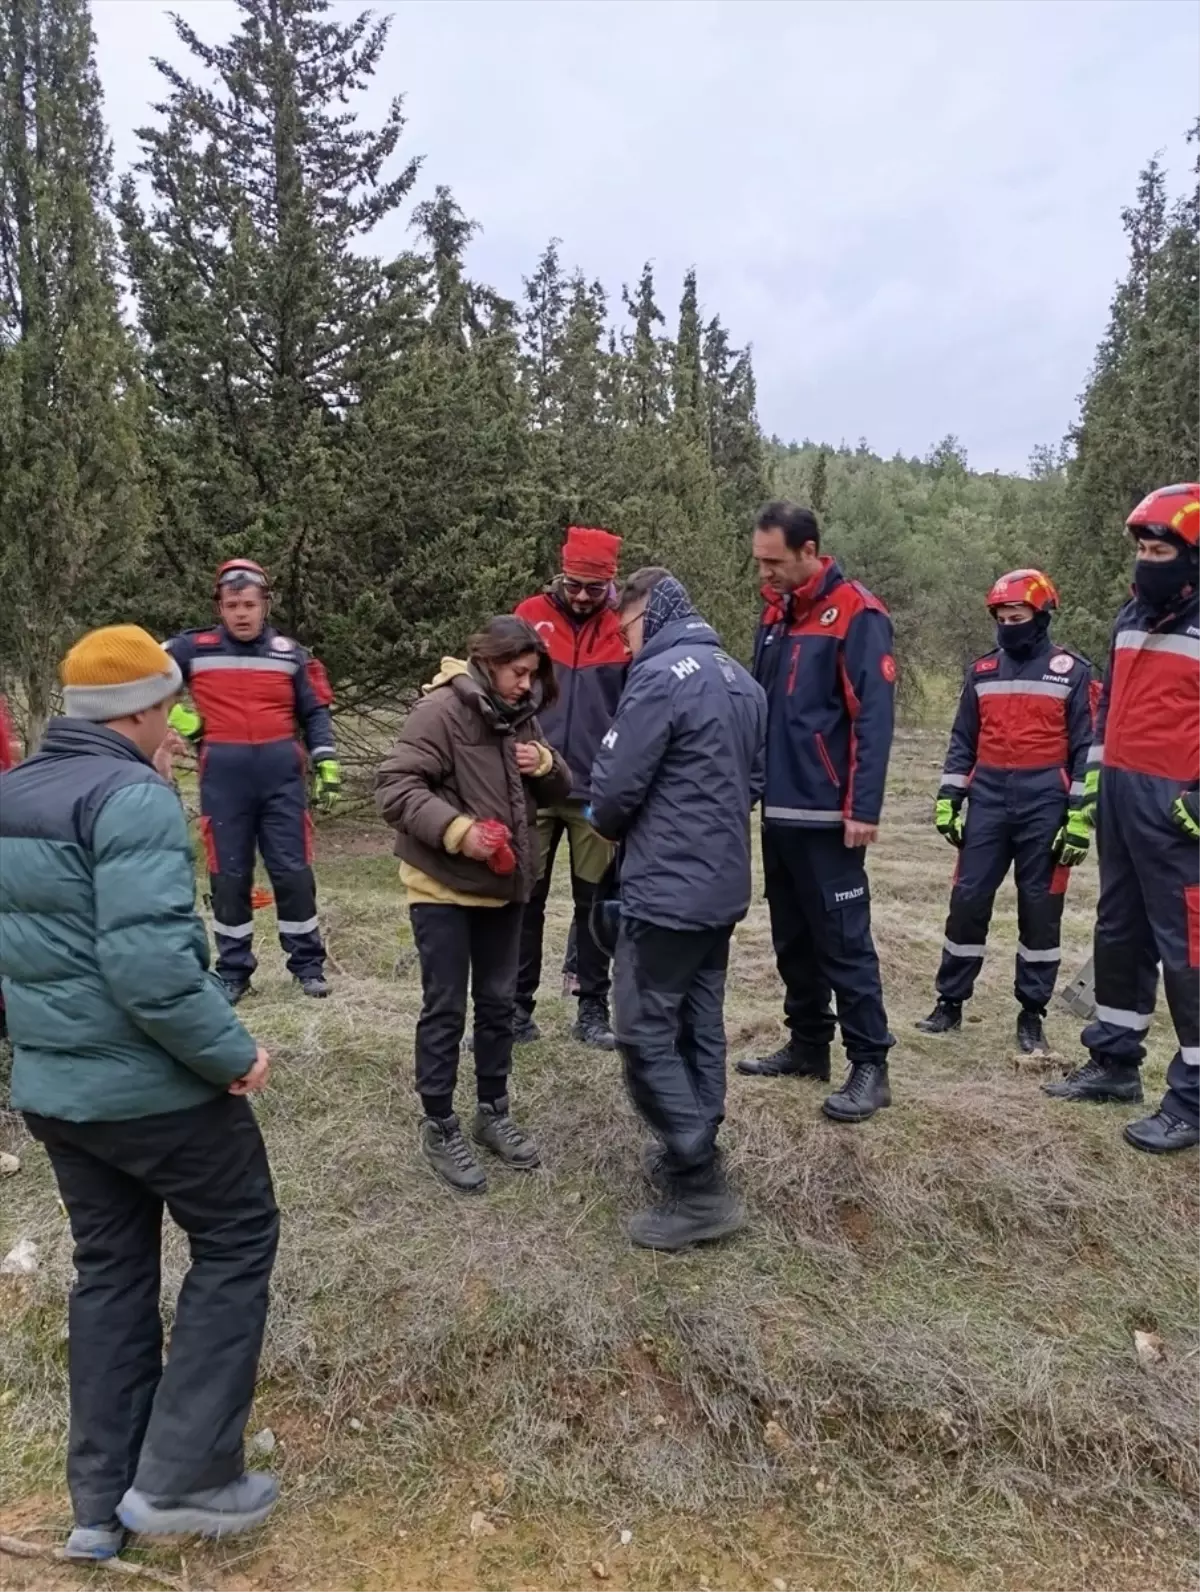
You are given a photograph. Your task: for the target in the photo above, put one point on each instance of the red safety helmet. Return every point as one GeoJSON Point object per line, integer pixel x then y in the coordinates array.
{"type": "Point", "coordinates": [1025, 586]}
{"type": "Point", "coordinates": [1172, 513]}
{"type": "Point", "coordinates": [239, 572]}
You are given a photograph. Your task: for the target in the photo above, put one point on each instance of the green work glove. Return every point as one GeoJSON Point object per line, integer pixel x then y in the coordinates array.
{"type": "Point", "coordinates": [1073, 841]}
{"type": "Point", "coordinates": [185, 721]}
{"type": "Point", "coordinates": [1185, 810]}
{"type": "Point", "coordinates": [1091, 794]}
{"type": "Point", "coordinates": [328, 788]}
{"type": "Point", "coordinates": [947, 819]}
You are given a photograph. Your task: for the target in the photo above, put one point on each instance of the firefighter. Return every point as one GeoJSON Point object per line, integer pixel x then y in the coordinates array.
{"type": "Point", "coordinates": [1018, 755]}
{"type": "Point", "coordinates": [256, 695]}
{"type": "Point", "coordinates": [1142, 779]}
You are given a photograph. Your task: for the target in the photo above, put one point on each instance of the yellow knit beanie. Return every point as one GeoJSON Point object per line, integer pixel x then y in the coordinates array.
{"type": "Point", "coordinates": [114, 672]}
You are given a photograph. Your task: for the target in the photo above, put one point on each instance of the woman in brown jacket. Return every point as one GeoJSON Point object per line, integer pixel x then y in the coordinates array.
{"type": "Point", "coordinates": [469, 759]}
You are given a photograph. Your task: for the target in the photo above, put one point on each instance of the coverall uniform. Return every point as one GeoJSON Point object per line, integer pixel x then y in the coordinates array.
{"type": "Point", "coordinates": [1019, 748]}
{"type": "Point", "coordinates": [823, 655]}
{"type": "Point", "coordinates": [1147, 745]}
{"type": "Point", "coordinates": [256, 699]}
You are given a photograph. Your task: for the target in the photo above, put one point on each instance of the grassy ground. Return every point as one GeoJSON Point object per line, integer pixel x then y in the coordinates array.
{"type": "Point", "coordinates": [915, 1369]}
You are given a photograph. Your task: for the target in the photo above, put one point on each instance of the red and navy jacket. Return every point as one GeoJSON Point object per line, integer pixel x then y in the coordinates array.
{"type": "Point", "coordinates": [251, 693]}
{"type": "Point", "coordinates": [1148, 721]}
{"type": "Point", "coordinates": [823, 655]}
{"type": "Point", "coordinates": [590, 659]}
{"type": "Point", "coordinates": [1022, 717]}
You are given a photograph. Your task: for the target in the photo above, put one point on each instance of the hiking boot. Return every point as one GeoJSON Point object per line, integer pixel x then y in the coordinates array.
{"type": "Point", "coordinates": [1162, 1133]}
{"type": "Point", "coordinates": [240, 1505]}
{"type": "Point", "coordinates": [789, 1061]}
{"type": "Point", "coordinates": [1031, 1036]}
{"type": "Point", "coordinates": [95, 1542]}
{"type": "Point", "coordinates": [592, 1027]}
{"type": "Point", "coordinates": [449, 1154]}
{"type": "Point", "coordinates": [1098, 1079]}
{"type": "Point", "coordinates": [525, 1030]}
{"type": "Point", "coordinates": [945, 1017]}
{"type": "Point", "coordinates": [497, 1132]}
{"type": "Point", "coordinates": [654, 1165]}
{"type": "Point", "coordinates": [689, 1216]}
{"type": "Point", "coordinates": [865, 1090]}
{"type": "Point", "coordinates": [235, 988]}
{"type": "Point", "coordinates": [314, 985]}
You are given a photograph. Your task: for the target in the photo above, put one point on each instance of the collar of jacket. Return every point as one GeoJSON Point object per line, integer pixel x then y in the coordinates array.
{"type": "Point", "coordinates": [694, 631]}
{"type": "Point", "coordinates": [460, 678]}
{"type": "Point", "coordinates": [79, 737]}
{"type": "Point", "coordinates": [794, 604]}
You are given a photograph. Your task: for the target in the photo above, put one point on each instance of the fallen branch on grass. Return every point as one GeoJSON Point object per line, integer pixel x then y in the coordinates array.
{"type": "Point", "coordinates": [30, 1550]}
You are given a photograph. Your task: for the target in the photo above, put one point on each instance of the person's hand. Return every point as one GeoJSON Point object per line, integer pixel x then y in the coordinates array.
{"type": "Point", "coordinates": [855, 834]}
{"type": "Point", "coordinates": [947, 819]}
{"type": "Point", "coordinates": [328, 784]}
{"type": "Point", "coordinates": [1185, 810]}
{"type": "Point", "coordinates": [475, 845]}
{"type": "Point", "coordinates": [1073, 841]}
{"type": "Point", "coordinates": [255, 1081]}
{"type": "Point", "coordinates": [164, 759]}
{"type": "Point", "coordinates": [529, 756]}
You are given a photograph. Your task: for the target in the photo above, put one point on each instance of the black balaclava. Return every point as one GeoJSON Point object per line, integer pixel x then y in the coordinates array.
{"type": "Point", "coordinates": [1023, 640]}
{"type": "Point", "coordinates": [1161, 587]}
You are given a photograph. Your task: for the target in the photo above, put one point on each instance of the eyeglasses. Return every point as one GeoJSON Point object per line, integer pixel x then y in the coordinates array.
{"type": "Point", "coordinates": [630, 622]}
{"type": "Point", "coordinates": [594, 589]}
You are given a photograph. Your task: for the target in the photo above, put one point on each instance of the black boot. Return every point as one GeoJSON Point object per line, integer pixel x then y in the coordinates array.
{"type": "Point", "coordinates": [525, 1030]}
{"type": "Point", "coordinates": [1031, 1036]}
{"type": "Point", "coordinates": [865, 1090]}
{"type": "Point", "coordinates": [314, 986]}
{"type": "Point", "coordinates": [1162, 1133]}
{"type": "Point", "coordinates": [1099, 1079]}
{"type": "Point", "coordinates": [449, 1154]}
{"type": "Point", "coordinates": [497, 1132]}
{"type": "Point", "coordinates": [592, 1027]}
{"type": "Point", "coordinates": [698, 1208]}
{"type": "Point", "coordinates": [789, 1061]}
{"type": "Point", "coordinates": [945, 1017]}
{"type": "Point", "coordinates": [235, 988]}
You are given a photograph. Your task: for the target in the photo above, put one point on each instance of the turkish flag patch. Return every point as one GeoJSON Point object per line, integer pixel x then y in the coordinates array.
{"type": "Point", "coordinates": [887, 667]}
{"type": "Point", "coordinates": [986, 664]}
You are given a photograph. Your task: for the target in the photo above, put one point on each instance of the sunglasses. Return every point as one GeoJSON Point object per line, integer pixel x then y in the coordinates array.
{"type": "Point", "coordinates": [595, 589]}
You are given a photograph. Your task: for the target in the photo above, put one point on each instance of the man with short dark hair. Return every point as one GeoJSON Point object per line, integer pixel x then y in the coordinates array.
{"type": "Point", "coordinates": [674, 781]}
{"type": "Point", "coordinates": [576, 618]}
{"type": "Point", "coordinates": [824, 657]}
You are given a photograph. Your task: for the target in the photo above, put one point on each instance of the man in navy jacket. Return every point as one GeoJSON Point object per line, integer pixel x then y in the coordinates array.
{"type": "Point", "coordinates": [824, 657]}
{"type": "Point", "coordinates": [674, 781]}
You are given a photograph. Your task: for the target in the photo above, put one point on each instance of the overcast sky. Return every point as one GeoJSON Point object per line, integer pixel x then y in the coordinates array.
{"type": "Point", "coordinates": [912, 210]}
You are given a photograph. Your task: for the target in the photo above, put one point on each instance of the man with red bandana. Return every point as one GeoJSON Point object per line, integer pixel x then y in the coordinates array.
{"type": "Point", "coordinates": [577, 618]}
{"type": "Point", "coordinates": [1143, 786]}
{"type": "Point", "coordinates": [824, 657]}
{"type": "Point", "coordinates": [261, 713]}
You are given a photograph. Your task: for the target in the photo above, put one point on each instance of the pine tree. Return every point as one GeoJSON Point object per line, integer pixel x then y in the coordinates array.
{"type": "Point", "coordinates": [687, 376]}
{"type": "Point", "coordinates": [818, 491]}
{"type": "Point", "coordinates": [72, 500]}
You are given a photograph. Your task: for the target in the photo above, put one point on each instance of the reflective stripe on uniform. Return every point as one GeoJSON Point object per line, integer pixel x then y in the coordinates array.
{"type": "Point", "coordinates": [964, 950]}
{"type": "Point", "coordinates": [308, 925]}
{"type": "Point", "coordinates": [1077, 787]}
{"type": "Point", "coordinates": [1026, 955]}
{"type": "Point", "coordinates": [1096, 752]}
{"type": "Point", "coordinates": [234, 931]}
{"type": "Point", "coordinates": [1138, 1021]}
{"type": "Point", "coordinates": [804, 815]}
{"type": "Point", "coordinates": [1190, 1055]}
{"type": "Point", "coordinates": [1144, 641]}
{"type": "Point", "coordinates": [319, 753]}
{"type": "Point", "coordinates": [1050, 688]}
{"type": "Point", "coordinates": [207, 665]}
{"type": "Point", "coordinates": [957, 781]}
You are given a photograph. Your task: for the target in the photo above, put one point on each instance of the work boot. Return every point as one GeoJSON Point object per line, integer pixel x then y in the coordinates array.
{"type": "Point", "coordinates": [525, 1030]}
{"type": "Point", "coordinates": [789, 1061]}
{"type": "Point", "coordinates": [654, 1165]}
{"type": "Point", "coordinates": [240, 1505]}
{"type": "Point", "coordinates": [1162, 1133]}
{"type": "Point", "coordinates": [449, 1154]}
{"type": "Point", "coordinates": [1099, 1079]}
{"type": "Point", "coordinates": [865, 1090]}
{"type": "Point", "coordinates": [945, 1017]}
{"type": "Point", "coordinates": [1031, 1036]}
{"type": "Point", "coordinates": [592, 1026]}
{"type": "Point", "coordinates": [95, 1542]}
{"type": "Point", "coordinates": [497, 1132]}
{"type": "Point", "coordinates": [697, 1209]}
{"type": "Point", "coordinates": [235, 988]}
{"type": "Point", "coordinates": [314, 985]}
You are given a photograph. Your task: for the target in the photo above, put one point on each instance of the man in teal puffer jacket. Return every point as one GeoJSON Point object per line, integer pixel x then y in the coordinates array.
{"type": "Point", "coordinates": [133, 1071]}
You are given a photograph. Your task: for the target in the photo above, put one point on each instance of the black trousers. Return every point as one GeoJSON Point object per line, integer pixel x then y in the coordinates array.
{"type": "Point", "coordinates": [669, 1019]}
{"type": "Point", "coordinates": [458, 946]}
{"type": "Point", "coordinates": [590, 963]}
{"type": "Point", "coordinates": [174, 1429]}
{"type": "Point", "coordinates": [820, 905]}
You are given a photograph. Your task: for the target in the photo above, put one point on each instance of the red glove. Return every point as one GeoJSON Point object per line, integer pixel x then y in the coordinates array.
{"type": "Point", "coordinates": [496, 836]}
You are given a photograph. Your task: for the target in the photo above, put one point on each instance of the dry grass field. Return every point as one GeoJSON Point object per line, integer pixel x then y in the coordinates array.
{"type": "Point", "coordinates": [916, 1368]}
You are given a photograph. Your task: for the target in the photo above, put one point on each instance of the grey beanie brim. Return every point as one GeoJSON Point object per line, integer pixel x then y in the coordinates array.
{"type": "Point", "coordinates": [101, 703]}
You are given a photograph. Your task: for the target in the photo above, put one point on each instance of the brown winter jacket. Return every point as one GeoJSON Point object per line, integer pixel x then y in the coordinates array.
{"type": "Point", "coordinates": [456, 759]}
